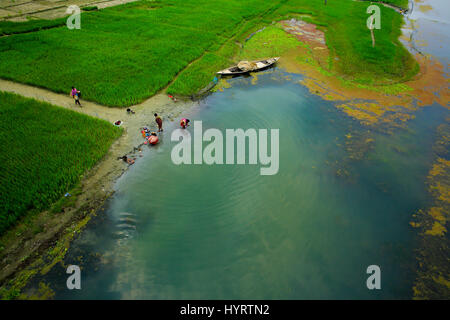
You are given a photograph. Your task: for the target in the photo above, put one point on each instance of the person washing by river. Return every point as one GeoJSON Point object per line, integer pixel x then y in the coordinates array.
{"type": "Point", "coordinates": [76, 94]}
{"type": "Point", "coordinates": [184, 123]}
{"type": "Point", "coordinates": [126, 159]}
{"type": "Point", "coordinates": [158, 120]}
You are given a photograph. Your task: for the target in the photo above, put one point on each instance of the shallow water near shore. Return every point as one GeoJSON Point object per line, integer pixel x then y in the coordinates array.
{"type": "Point", "coordinates": [425, 26]}
{"type": "Point", "coordinates": [226, 232]}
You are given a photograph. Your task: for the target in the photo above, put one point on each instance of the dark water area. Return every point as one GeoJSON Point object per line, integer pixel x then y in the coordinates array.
{"type": "Point", "coordinates": [227, 232]}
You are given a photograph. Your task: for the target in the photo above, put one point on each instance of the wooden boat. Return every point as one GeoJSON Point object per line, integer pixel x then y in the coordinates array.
{"type": "Point", "coordinates": [246, 67]}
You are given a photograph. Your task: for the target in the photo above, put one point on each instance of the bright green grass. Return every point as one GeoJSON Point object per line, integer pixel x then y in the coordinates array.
{"type": "Point", "coordinates": [200, 73]}
{"type": "Point", "coordinates": [350, 43]}
{"type": "Point", "coordinates": [125, 54]}
{"type": "Point", "coordinates": [11, 27]}
{"type": "Point", "coordinates": [399, 3]}
{"type": "Point", "coordinates": [271, 42]}
{"type": "Point", "coordinates": [46, 149]}
{"type": "Point", "coordinates": [349, 40]}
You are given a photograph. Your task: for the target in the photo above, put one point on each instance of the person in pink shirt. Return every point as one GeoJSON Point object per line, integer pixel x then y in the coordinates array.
{"type": "Point", "coordinates": [76, 95]}
{"type": "Point", "coordinates": [184, 123]}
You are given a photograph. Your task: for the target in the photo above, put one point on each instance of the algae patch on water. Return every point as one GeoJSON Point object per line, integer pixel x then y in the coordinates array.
{"type": "Point", "coordinates": [433, 275]}
{"type": "Point", "coordinates": [14, 289]}
{"type": "Point", "coordinates": [303, 49]}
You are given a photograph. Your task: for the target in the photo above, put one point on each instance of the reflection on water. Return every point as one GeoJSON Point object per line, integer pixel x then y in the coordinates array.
{"type": "Point", "coordinates": [224, 231]}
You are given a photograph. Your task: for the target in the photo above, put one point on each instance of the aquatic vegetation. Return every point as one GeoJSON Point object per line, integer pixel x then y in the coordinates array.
{"type": "Point", "coordinates": [13, 289]}
{"type": "Point", "coordinates": [369, 114]}
{"type": "Point", "coordinates": [44, 292]}
{"type": "Point", "coordinates": [364, 117]}
{"type": "Point", "coordinates": [58, 252]}
{"type": "Point", "coordinates": [433, 275]}
{"type": "Point", "coordinates": [49, 149]}
{"type": "Point", "coordinates": [357, 144]}
{"type": "Point", "coordinates": [388, 103]}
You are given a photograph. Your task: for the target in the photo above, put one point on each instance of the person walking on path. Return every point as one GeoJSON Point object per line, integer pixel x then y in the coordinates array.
{"type": "Point", "coordinates": [159, 122]}
{"type": "Point", "coordinates": [76, 95]}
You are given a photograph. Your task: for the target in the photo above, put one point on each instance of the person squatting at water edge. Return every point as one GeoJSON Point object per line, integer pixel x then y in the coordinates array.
{"type": "Point", "coordinates": [153, 138]}
{"type": "Point", "coordinates": [150, 137]}
{"type": "Point", "coordinates": [126, 159]}
{"type": "Point", "coordinates": [184, 123]}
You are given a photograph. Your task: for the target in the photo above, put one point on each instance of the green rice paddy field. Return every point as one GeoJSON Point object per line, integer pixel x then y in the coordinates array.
{"type": "Point", "coordinates": [125, 54]}
{"type": "Point", "coordinates": [46, 149]}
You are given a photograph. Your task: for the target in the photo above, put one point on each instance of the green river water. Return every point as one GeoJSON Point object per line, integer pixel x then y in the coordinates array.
{"type": "Point", "coordinates": [227, 232]}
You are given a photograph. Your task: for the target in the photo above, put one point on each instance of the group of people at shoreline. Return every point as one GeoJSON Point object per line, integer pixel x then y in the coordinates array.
{"type": "Point", "coordinates": [76, 95]}
{"type": "Point", "coordinates": [151, 138]}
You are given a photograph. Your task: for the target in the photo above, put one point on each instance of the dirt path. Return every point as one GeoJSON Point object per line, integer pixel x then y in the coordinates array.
{"type": "Point", "coordinates": [22, 10]}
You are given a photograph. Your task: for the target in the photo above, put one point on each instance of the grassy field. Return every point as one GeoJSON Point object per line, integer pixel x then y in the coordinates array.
{"type": "Point", "coordinates": [125, 54]}
{"type": "Point", "coordinates": [46, 150]}
{"type": "Point", "coordinates": [10, 27]}
{"type": "Point", "coordinates": [399, 3]}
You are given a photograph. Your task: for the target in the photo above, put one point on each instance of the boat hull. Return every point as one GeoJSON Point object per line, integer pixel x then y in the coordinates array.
{"type": "Point", "coordinates": [260, 65]}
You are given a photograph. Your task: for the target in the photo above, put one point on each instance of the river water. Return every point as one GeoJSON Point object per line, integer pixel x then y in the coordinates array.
{"type": "Point", "coordinates": [227, 232]}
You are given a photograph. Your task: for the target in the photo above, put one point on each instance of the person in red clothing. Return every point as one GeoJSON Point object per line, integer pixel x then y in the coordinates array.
{"type": "Point", "coordinates": [184, 123]}
{"type": "Point", "coordinates": [159, 122]}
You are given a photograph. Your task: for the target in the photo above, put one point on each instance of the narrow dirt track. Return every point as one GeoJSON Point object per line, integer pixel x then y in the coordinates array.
{"type": "Point", "coordinates": [159, 103]}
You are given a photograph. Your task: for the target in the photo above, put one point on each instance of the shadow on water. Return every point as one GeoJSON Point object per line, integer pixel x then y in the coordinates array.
{"type": "Point", "coordinates": [225, 231]}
